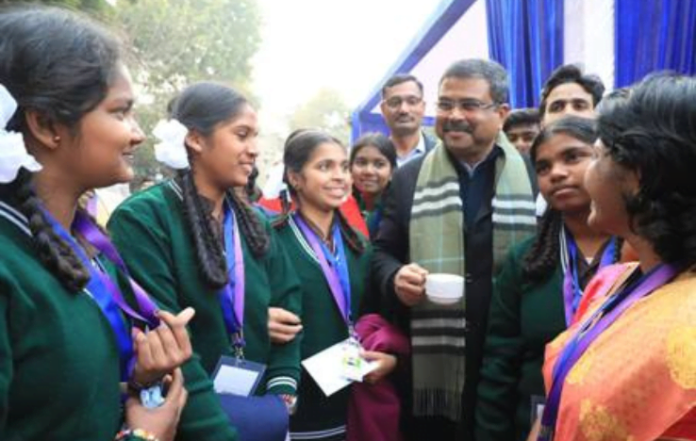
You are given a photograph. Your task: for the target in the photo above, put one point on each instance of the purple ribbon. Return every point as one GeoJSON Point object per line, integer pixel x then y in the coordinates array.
{"type": "Point", "coordinates": [232, 295]}
{"type": "Point", "coordinates": [339, 290]}
{"type": "Point", "coordinates": [148, 310]}
{"type": "Point", "coordinates": [572, 290]}
{"type": "Point", "coordinates": [590, 330]}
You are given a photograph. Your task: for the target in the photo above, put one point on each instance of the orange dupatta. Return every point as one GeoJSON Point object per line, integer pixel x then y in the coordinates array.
{"type": "Point", "coordinates": [638, 378]}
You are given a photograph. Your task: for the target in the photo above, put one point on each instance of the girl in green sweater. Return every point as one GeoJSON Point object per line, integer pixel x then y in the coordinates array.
{"type": "Point", "coordinates": [332, 261]}
{"type": "Point", "coordinates": [71, 324]}
{"type": "Point", "coordinates": [192, 241]}
{"type": "Point", "coordinates": [541, 283]}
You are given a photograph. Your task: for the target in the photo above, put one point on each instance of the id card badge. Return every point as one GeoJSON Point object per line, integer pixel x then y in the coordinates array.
{"type": "Point", "coordinates": [351, 361]}
{"type": "Point", "coordinates": [235, 376]}
{"type": "Point", "coordinates": [537, 403]}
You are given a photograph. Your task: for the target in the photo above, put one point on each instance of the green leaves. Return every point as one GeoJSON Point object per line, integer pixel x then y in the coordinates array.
{"type": "Point", "coordinates": [175, 43]}
{"type": "Point", "coordinates": [178, 42]}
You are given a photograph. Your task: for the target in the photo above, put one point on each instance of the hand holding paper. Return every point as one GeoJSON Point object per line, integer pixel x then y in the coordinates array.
{"type": "Point", "coordinates": [326, 368]}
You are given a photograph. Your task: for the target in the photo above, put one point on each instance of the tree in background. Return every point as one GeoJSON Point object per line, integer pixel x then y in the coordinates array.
{"type": "Point", "coordinates": [326, 110]}
{"type": "Point", "coordinates": [177, 42]}
{"type": "Point", "coordinates": [99, 7]}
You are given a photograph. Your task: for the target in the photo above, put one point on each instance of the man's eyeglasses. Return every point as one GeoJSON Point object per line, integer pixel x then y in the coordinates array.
{"type": "Point", "coordinates": [469, 106]}
{"type": "Point", "coordinates": [396, 101]}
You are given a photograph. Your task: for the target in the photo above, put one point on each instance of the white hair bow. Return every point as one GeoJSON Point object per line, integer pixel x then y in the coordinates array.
{"type": "Point", "coordinates": [171, 149]}
{"type": "Point", "coordinates": [13, 152]}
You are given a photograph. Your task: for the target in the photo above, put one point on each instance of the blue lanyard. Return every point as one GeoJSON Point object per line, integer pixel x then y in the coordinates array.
{"type": "Point", "coordinates": [100, 292]}
{"type": "Point", "coordinates": [340, 265]}
{"type": "Point", "coordinates": [232, 295]}
{"type": "Point", "coordinates": [572, 289]}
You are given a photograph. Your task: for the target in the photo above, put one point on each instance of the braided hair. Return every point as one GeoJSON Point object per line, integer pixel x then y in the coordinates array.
{"type": "Point", "coordinates": [201, 107]}
{"type": "Point", "coordinates": [59, 65]}
{"type": "Point", "coordinates": [299, 148]}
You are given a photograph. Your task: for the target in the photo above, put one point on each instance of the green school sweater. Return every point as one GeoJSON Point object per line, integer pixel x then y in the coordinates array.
{"type": "Point", "coordinates": [150, 231]}
{"type": "Point", "coordinates": [524, 316]}
{"type": "Point", "coordinates": [59, 363]}
{"type": "Point", "coordinates": [323, 326]}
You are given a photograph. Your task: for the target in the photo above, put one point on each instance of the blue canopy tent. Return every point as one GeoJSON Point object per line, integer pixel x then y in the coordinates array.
{"type": "Point", "coordinates": [620, 40]}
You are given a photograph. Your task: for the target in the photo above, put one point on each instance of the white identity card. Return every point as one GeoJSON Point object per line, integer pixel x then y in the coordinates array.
{"type": "Point", "coordinates": [234, 376]}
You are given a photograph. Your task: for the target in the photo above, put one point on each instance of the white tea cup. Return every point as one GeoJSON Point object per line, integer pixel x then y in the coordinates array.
{"type": "Point", "coordinates": [444, 289]}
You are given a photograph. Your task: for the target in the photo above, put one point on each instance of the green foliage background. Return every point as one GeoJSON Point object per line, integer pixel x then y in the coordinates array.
{"type": "Point", "coordinates": [176, 42]}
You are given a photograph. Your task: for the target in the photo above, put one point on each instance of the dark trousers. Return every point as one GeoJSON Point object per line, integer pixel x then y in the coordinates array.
{"type": "Point", "coordinates": [434, 429]}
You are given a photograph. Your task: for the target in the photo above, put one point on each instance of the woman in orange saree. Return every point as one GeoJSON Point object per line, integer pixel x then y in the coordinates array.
{"type": "Point", "coordinates": [626, 370]}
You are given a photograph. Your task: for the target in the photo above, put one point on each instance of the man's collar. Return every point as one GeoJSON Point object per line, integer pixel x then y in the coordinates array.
{"type": "Point", "coordinates": [417, 151]}
{"type": "Point", "coordinates": [471, 169]}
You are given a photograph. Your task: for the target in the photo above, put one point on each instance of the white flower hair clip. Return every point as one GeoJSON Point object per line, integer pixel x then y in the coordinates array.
{"type": "Point", "coordinates": [13, 152]}
{"type": "Point", "coordinates": [171, 149]}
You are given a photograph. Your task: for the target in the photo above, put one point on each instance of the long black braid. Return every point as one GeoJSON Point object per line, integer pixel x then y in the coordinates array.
{"type": "Point", "coordinates": [543, 256]}
{"type": "Point", "coordinates": [207, 242]}
{"type": "Point", "coordinates": [208, 246]}
{"type": "Point", "coordinates": [52, 250]}
{"type": "Point", "coordinates": [250, 225]}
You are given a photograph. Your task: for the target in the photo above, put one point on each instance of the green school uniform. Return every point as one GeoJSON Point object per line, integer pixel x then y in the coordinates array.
{"type": "Point", "coordinates": [524, 316]}
{"type": "Point", "coordinates": [318, 417]}
{"type": "Point", "coordinates": [59, 362]}
{"type": "Point", "coordinates": [150, 231]}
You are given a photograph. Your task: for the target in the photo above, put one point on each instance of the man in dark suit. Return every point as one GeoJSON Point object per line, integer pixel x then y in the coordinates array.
{"type": "Point", "coordinates": [454, 210]}
{"type": "Point", "coordinates": [403, 108]}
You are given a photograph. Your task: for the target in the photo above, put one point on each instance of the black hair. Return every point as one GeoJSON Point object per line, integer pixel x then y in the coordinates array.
{"type": "Point", "coordinates": [201, 107]}
{"type": "Point", "coordinates": [571, 73]}
{"type": "Point", "coordinates": [285, 197]}
{"type": "Point", "coordinates": [382, 143]}
{"type": "Point", "coordinates": [521, 117]}
{"type": "Point", "coordinates": [542, 258]}
{"type": "Point", "coordinates": [652, 131]}
{"type": "Point", "coordinates": [613, 98]}
{"type": "Point", "coordinates": [299, 148]}
{"type": "Point", "coordinates": [582, 129]}
{"type": "Point", "coordinates": [60, 65]}
{"type": "Point", "coordinates": [488, 70]}
{"type": "Point", "coordinates": [401, 78]}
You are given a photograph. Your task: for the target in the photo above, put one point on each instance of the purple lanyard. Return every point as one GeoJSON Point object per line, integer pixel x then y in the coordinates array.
{"type": "Point", "coordinates": [105, 291]}
{"type": "Point", "coordinates": [572, 290]}
{"type": "Point", "coordinates": [232, 295]}
{"type": "Point", "coordinates": [337, 275]}
{"type": "Point", "coordinates": [590, 330]}
{"type": "Point", "coordinates": [148, 310]}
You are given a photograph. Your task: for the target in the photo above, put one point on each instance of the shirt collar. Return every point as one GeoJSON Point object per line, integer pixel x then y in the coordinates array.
{"type": "Point", "coordinates": [492, 155]}
{"type": "Point", "coordinates": [419, 150]}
